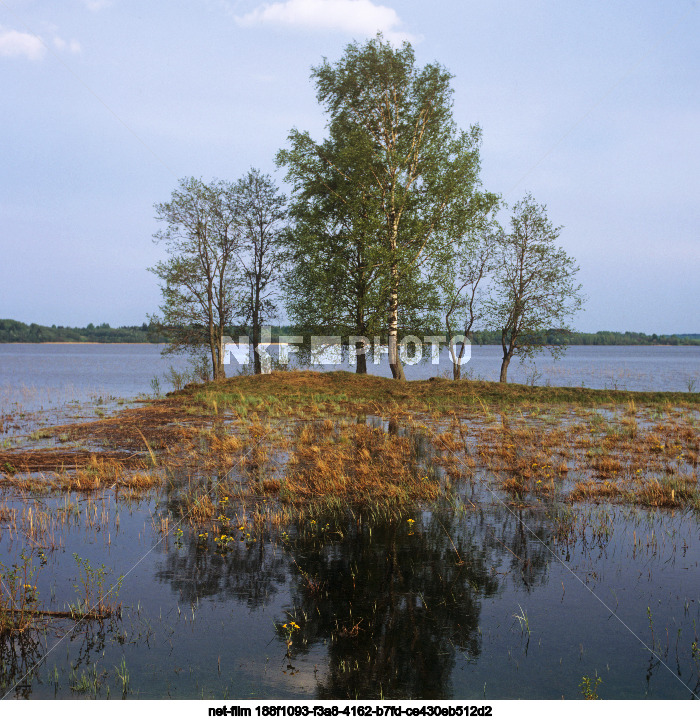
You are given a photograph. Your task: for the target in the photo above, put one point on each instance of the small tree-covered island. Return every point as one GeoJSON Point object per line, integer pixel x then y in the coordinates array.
{"type": "Point", "coordinates": [388, 232]}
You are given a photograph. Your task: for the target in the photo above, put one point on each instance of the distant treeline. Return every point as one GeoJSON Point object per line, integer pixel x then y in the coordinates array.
{"type": "Point", "coordinates": [13, 331]}
{"type": "Point", "coordinates": [602, 337]}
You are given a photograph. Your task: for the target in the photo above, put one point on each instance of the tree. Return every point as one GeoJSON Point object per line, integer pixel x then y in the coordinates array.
{"type": "Point", "coordinates": [464, 302]}
{"type": "Point", "coordinates": [198, 280]}
{"type": "Point", "coordinates": [334, 284]}
{"type": "Point", "coordinates": [395, 163]}
{"type": "Point", "coordinates": [260, 209]}
{"type": "Point", "coordinates": [534, 286]}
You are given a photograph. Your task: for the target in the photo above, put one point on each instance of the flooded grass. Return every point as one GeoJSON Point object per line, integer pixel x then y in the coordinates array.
{"type": "Point", "coordinates": [321, 535]}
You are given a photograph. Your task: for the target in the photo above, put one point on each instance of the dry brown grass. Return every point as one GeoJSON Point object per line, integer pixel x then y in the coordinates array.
{"type": "Point", "coordinates": [668, 491]}
{"type": "Point", "coordinates": [592, 490]}
{"type": "Point", "coordinates": [359, 464]}
{"type": "Point", "coordinates": [199, 507]}
{"type": "Point", "coordinates": [606, 466]}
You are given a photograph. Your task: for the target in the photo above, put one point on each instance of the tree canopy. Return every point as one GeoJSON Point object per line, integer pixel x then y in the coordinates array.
{"type": "Point", "coordinates": [198, 279]}
{"type": "Point", "coordinates": [393, 184]}
{"type": "Point", "coordinates": [534, 284]}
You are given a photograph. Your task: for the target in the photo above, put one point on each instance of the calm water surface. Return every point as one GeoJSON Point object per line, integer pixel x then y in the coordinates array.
{"type": "Point", "coordinates": [469, 599]}
{"type": "Point", "coordinates": [475, 604]}
{"type": "Point", "coordinates": [36, 375]}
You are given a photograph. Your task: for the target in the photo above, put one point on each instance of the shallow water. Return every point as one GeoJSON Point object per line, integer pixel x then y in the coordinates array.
{"type": "Point", "coordinates": [447, 601]}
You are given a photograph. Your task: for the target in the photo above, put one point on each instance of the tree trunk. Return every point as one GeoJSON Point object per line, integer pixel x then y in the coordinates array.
{"type": "Point", "coordinates": [221, 370]}
{"type": "Point", "coordinates": [257, 366]}
{"type": "Point", "coordinates": [215, 348]}
{"type": "Point", "coordinates": [504, 369]}
{"type": "Point", "coordinates": [394, 360]}
{"type": "Point", "coordinates": [361, 358]}
{"type": "Point", "coordinates": [456, 370]}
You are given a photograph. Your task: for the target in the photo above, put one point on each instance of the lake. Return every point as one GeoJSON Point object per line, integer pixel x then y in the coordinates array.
{"type": "Point", "coordinates": [484, 593]}
{"type": "Point", "coordinates": [41, 375]}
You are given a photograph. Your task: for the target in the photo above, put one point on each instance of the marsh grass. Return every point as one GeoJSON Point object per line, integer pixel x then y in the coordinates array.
{"type": "Point", "coordinates": [285, 445]}
{"type": "Point", "coordinates": [19, 598]}
{"type": "Point", "coordinates": [354, 462]}
{"type": "Point", "coordinates": [668, 491]}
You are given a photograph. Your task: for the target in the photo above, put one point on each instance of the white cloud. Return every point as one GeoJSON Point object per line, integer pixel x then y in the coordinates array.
{"type": "Point", "coordinates": [60, 44]}
{"type": "Point", "coordinates": [16, 44]}
{"type": "Point", "coordinates": [95, 5]}
{"type": "Point", "coordinates": [353, 17]}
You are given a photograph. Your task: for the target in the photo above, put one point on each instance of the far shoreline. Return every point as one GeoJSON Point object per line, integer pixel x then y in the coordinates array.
{"type": "Point", "coordinates": [74, 342]}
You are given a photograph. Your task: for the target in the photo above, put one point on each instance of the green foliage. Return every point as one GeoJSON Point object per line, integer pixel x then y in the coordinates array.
{"type": "Point", "coordinates": [13, 331]}
{"type": "Point", "coordinates": [93, 597]}
{"type": "Point", "coordinates": [378, 202]}
{"type": "Point", "coordinates": [123, 675]}
{"type": "Point", "coordinates": [199, 276]}
{"type": "Point", "coordinates": [534, 284]}
{"type": "Point", "coordinates": [261, 215]}
{"type": "Point", "coordinates": [19, 597]}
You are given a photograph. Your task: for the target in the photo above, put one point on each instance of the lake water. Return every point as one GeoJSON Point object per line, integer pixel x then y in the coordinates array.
{"type": "Point", "coordinates": [396, 610]}
{"type": "Point", "coordinates": [469, 598]}
{"type": "Point", "coordinates": [44, 375]}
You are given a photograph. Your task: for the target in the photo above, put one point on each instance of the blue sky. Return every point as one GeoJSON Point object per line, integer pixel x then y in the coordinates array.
{"type": "Point", "coordinates": [593, 107]}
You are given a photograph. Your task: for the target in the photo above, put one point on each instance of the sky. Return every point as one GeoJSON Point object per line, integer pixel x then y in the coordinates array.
{"type": "Point", "coordinates": [592, 107]}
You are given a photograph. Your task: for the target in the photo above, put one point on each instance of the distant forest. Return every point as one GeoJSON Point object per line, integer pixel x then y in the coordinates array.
{"type": "Point", "coordinates": [13, 331]}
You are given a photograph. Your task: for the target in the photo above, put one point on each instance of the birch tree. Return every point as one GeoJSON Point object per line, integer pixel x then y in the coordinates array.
{"type": "Point", "coordinates": [534, 285]}
{"type": "Point", "coordinates": [198, 279]}
{"type": "Point", "coordinates": [260, 209]}
{"type": "Point", "coordinates": [406, 175]}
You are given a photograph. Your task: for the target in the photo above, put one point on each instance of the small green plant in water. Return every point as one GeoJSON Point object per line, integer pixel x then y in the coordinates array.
{"type": "Point", "coordinates": [88, 683]}
{"type": "Point", "coordinates": [523, 620]}
{"type": "Point", "coordinates": [589, 687]}
{"type": "Point", "coordinates": [19, 597]}
{"type": "Point", "coordinates": [93, 598]}
{"type": "Point", "coordinates": [155, 386]}
{"type": "Point", "coordinates": [123, 676]}
{"type": "Point", "coordinates": [289, 628]}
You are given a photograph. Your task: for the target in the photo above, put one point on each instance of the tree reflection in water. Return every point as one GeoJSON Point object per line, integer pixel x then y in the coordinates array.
{"type": "Point", "coordinates": [397, 601]}
{"type": "Point", "coordinates": [393, 602]}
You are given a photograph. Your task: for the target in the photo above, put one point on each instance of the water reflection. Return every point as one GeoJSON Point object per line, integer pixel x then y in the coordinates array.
{"type": "Point", "coordinates": [249, 572]}
{"type": "Point", "coordinates": [390, 603]}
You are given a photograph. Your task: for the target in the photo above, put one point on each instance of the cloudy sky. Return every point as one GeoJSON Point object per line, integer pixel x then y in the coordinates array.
{"type": "Point", "coordinates": [593, 107]}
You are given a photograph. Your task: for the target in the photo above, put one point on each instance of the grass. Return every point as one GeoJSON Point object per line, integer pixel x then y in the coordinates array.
{"type": "Point", "coordinates": [96, 597]}
{"type": "Point", "coordinates": [523, 620]}
{"type": "Point", "coordinates": [296, 442]}
{"type": "Point", "coordinates": [361, 465]}
{"type": "Point", "coordinates": [343, 392]}
{"type": "Point", "coordinates": [19, 598]}
{"type": "Point", "coordinates": [668, 491]}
